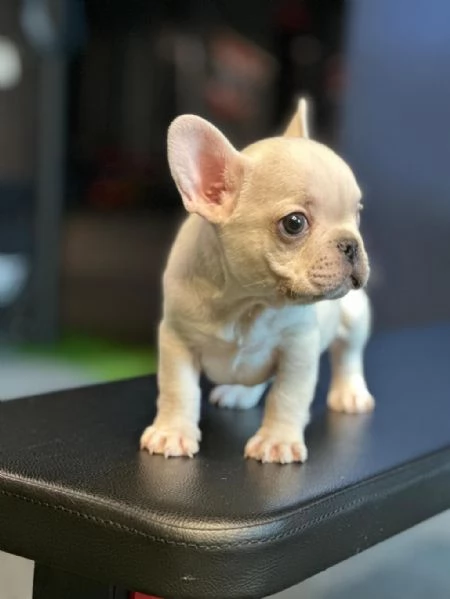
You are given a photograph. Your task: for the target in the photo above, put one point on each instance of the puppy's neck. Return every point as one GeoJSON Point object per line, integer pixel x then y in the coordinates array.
{"type": "Point", "coordinates": [212, 271]}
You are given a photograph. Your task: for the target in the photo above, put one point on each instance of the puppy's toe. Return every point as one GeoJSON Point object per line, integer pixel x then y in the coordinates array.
{"type": "Point", "coordinates": [171, 442]}
{"type": "Point", "coordinates": [266, 447]}
{"type": "Point", "coordinates": [236, 396]}
{"type": "Point", "coordinates": [350, 395]}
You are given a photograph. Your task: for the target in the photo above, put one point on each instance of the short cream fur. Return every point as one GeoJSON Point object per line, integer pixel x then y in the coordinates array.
{"type": "Point", "coordinates": [249, 303]}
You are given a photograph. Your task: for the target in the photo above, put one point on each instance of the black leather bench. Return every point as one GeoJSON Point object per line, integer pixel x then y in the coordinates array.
{"type": "Point", "coordinates": [97, 515]}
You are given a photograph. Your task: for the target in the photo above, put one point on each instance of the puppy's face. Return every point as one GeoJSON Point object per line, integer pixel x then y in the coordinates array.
{"type": "Point", "coordinates": [295, 225]}
{"type": "Point", "coordinates": [286, 210]}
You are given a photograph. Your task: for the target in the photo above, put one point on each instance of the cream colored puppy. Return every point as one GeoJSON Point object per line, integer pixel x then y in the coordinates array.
{"type": "Point", "coordinates": [265, 274]}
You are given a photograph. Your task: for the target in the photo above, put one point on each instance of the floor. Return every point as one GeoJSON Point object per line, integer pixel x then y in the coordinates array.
{"type": "Point", "coordinates": [21, 376]}
{"type": "Point", "coordinates": [414, 564]}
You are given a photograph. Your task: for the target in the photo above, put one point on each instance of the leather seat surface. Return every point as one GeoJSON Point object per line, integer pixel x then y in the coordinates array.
{"type": "Point", "coordinates": [76, 493]}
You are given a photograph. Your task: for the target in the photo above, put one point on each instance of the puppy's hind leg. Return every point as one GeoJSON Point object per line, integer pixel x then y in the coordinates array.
{"type": "Point", "coordinates": [348, 389]}
{"type": "Point", "coordinates": [237, 396]}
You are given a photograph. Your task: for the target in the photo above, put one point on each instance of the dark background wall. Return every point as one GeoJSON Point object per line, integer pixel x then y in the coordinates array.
{"type": "Point", "coordinates": [396, 135]}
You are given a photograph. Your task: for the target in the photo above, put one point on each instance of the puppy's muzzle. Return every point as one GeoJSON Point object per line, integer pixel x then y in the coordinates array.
{"type": "Point", "coordinates": [350, 249]}
{"type": "Point", "coordinates": [351, 252]}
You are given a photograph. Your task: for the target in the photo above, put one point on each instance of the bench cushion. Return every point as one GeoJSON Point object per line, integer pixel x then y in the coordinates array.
{"type": "Point", "coordinates": [76, 493]}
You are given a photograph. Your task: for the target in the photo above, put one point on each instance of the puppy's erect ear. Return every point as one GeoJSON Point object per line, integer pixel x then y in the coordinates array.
{"type": "Point", "coordinates": [299, 124]}
{"type": "Point", "coordinates": [206, 168]}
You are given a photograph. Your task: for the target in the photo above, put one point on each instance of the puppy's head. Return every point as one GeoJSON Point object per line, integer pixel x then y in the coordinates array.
{"type": "Point", "coordinates": [286, 209]}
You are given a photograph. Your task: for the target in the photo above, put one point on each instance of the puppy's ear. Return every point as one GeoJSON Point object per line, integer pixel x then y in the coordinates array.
{"type": "Point", "coordinates": [299, 124]}
{"type": "Point", "coordinates": [206, 168]}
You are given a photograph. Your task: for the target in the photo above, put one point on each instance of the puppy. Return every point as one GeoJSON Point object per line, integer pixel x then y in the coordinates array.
{"type": "Point", "coordinates": [266, 273]}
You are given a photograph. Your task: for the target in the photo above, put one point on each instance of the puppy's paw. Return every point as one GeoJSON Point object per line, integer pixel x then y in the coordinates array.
{"type": "Point", "coordinates": [172, 441]}
{"type": "Point", "coordinates": [236, 396]}
{"type": "Point", "coordinates": [267, 446]}
{"type": "Point", "coordinates": [350, 395]}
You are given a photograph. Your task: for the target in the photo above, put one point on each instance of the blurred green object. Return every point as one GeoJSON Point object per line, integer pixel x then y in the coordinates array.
{"type": "Point", "coordinates": [104, 359]}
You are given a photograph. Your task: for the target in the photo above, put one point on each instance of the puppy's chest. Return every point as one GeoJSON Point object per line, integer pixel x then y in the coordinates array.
{"type": "Point", "coordinates": [243, 351]}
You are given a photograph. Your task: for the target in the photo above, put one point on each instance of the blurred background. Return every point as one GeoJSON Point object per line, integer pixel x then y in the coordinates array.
{"type": "Point", "coordinates": [87, 207]}
{"type": "Point", "coordinates": [88, 210]}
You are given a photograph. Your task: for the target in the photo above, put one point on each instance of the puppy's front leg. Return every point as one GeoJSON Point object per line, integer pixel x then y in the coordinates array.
{"type": "Point", "coordinates": [281, 436]}
{"type": "Point", "coordinates": [175, 431]}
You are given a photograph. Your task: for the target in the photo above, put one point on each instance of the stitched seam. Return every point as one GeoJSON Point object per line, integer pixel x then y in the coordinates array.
{"type": "Point", "coordinates": [229, 545]}
{"type": "Point", "coordinates": [372, 481]}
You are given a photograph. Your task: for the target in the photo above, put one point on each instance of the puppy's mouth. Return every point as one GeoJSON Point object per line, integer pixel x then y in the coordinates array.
{"type": "Point", "coordinates": [288, 292]}
{"type": "Point", "coordinates": [356, 282]}
{"type": "Point", "coordinates": [296, 297]}
{"type": "Point", "coordinates": [318, 293]}
{"type": "Point", "coordinates": [340, 291]}
{"type": "Point", "coordinates": [353, 282]}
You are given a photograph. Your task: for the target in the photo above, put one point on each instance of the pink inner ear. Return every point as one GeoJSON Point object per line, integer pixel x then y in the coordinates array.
{"type": "Point", "coordinates": [212, 176]}
{"type": "Point", "coordinates": [215, 193]}
{"type": "Point", "coordinates": [205, 167]}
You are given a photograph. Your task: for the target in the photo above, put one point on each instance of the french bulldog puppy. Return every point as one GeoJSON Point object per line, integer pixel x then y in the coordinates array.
{"type": "Point", "coordinates": [265, 274]}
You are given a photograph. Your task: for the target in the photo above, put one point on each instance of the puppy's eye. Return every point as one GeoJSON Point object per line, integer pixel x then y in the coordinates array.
{"type": "Point", "coordinates": [293, 224]}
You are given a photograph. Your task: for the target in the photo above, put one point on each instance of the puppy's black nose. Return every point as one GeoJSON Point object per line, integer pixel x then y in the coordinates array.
{"type": "Point", "coordinates": [349, 247]}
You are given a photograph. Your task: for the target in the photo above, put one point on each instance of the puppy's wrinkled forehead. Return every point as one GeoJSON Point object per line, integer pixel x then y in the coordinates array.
{"type": "Point", "coordinates": [302, 171]}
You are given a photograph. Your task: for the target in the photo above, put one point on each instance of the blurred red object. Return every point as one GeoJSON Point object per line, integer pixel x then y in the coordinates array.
{"type": "Point", "coordinates": [240, 73]}
{"type": "Point", "coordinates": [120, 181]}
{"type": "Point", "coordinates": [293, 16]}
{"type": "Point", "coordinates": [335, 76]}
{"type": "Point", "coordinates": [112, 192]}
